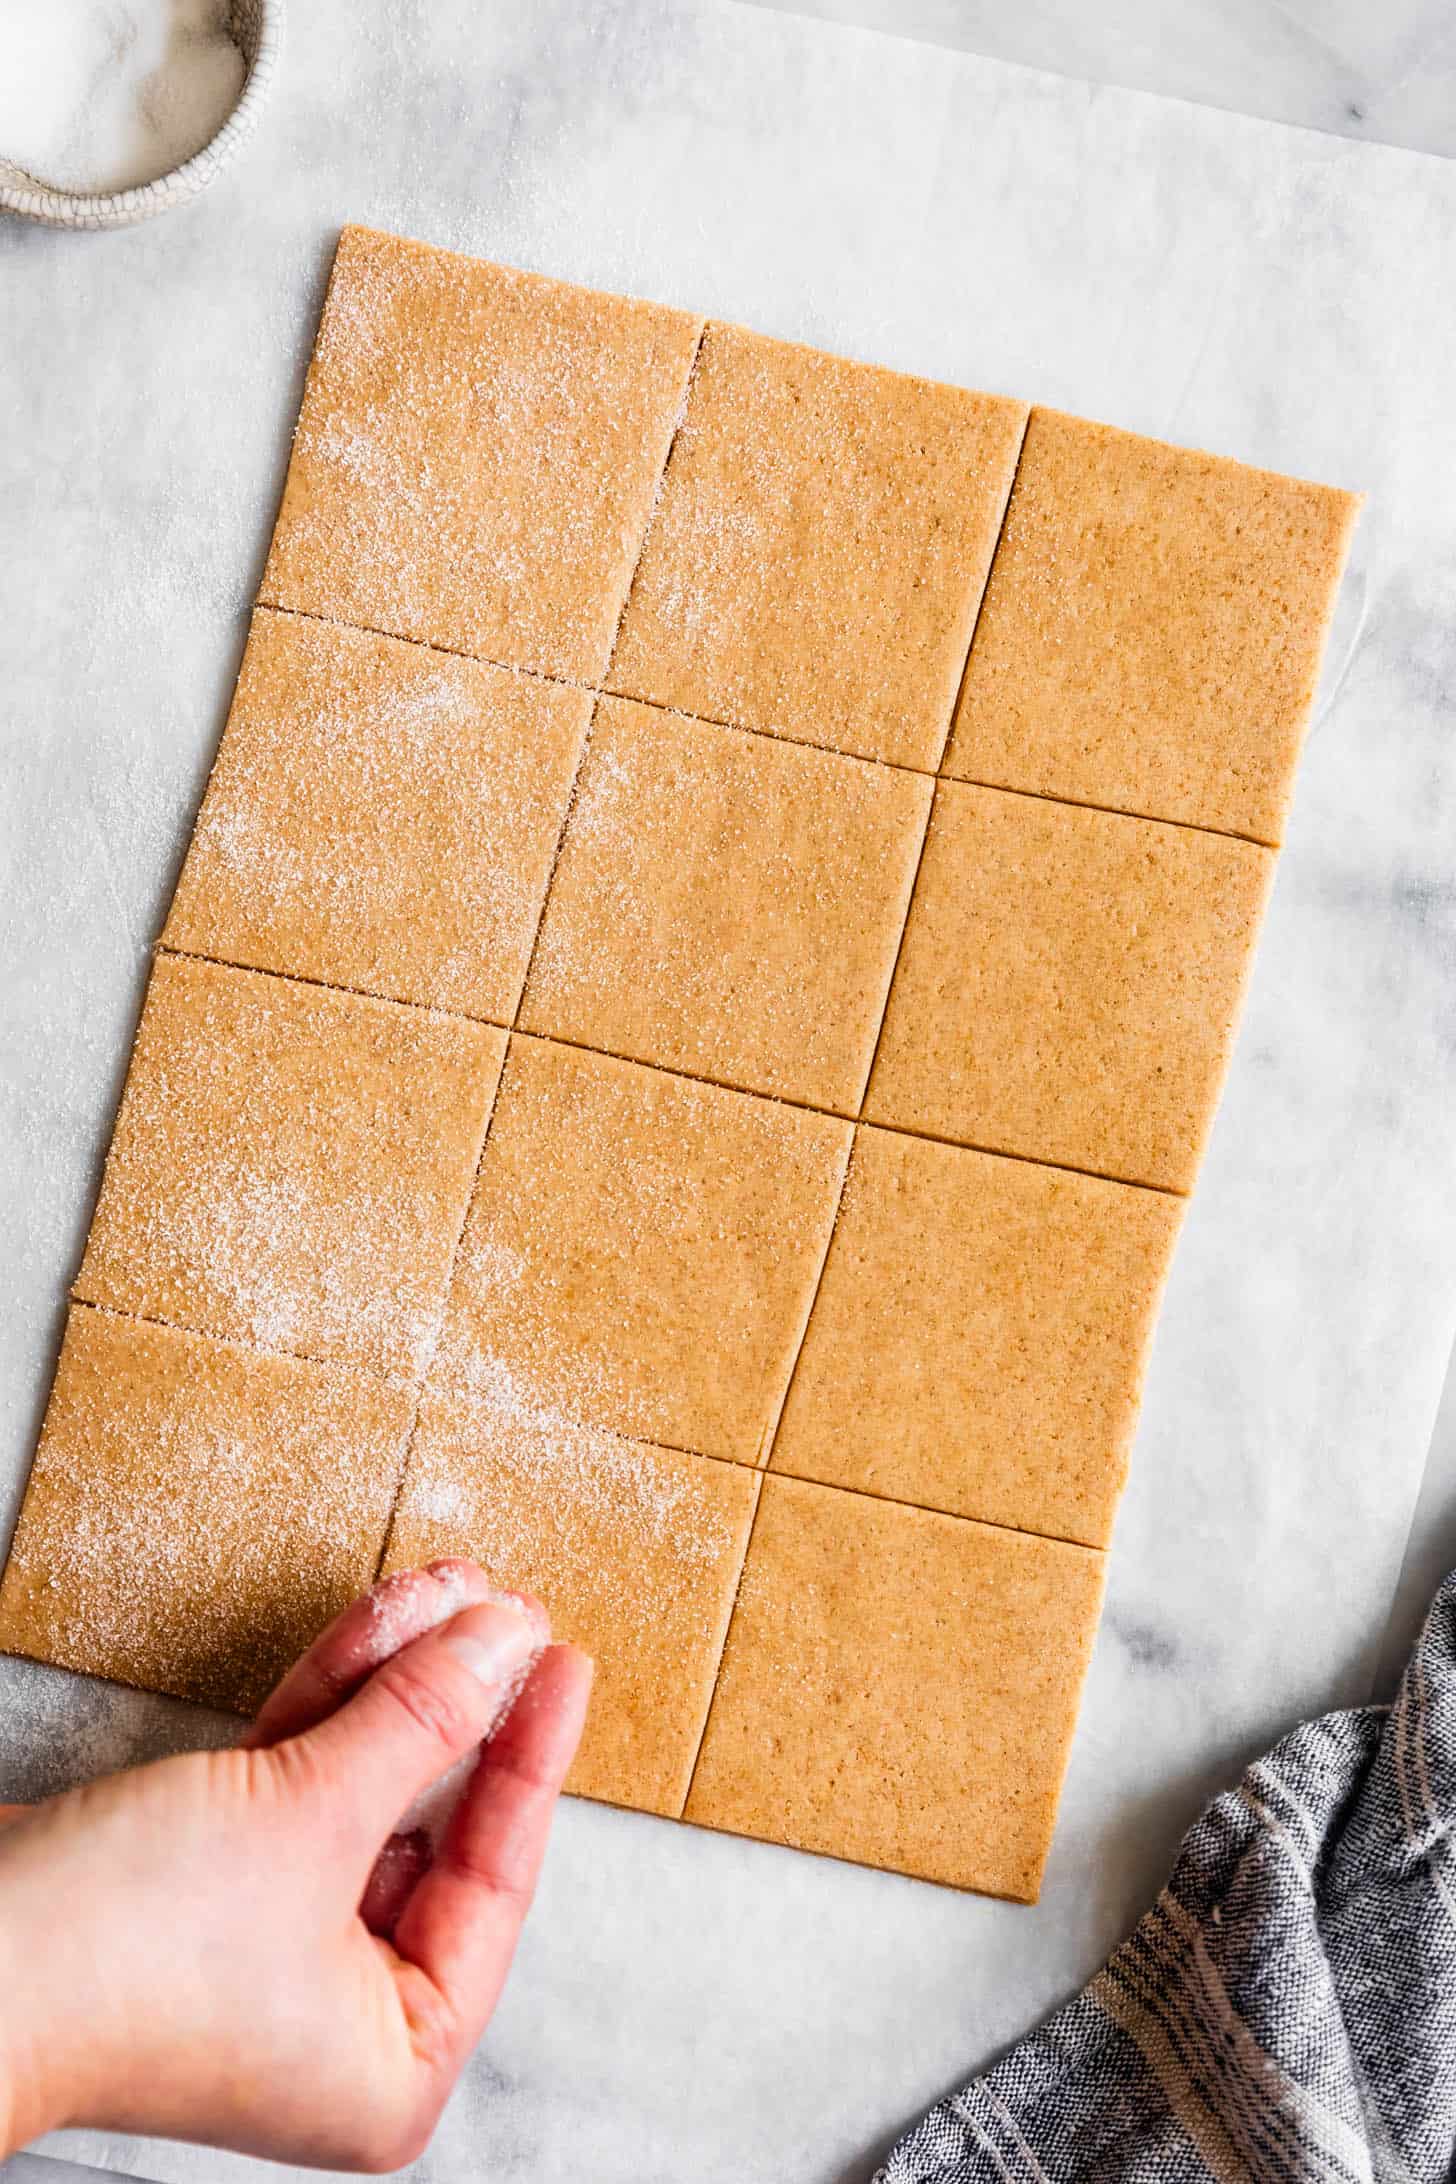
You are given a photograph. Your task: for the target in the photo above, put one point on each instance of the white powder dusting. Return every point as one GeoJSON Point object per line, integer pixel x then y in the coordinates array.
{"type": "Point", "coordinates": [633, 1537]}
{"type": "Point", "coordinates": [107, 94]}
{"type": "Point", "coordinates": [818, 542]}
{"type": "Point", "coordinates": [197, 1513]}
{"type": "Point", "coordinates": [657, 1286]}
{"type": "Point", "coordinates": [380, 817]}
{"type": "Point", "coordinates": [486, 488]}
{"type": "Point", "coordinates": [405, 1608]}
{"type": "Point", "coordinates": [289, 1167]}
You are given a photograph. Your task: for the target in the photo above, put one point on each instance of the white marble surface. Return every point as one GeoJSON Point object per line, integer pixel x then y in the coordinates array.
{"type": "Point", "coordinates": [1384, 75]}
{"type": "Point", "coordinates": [690, 2006]}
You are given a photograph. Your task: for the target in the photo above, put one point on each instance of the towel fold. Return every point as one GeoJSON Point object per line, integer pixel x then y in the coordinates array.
{"type": "Point", "coordinates": [1286, 2012]}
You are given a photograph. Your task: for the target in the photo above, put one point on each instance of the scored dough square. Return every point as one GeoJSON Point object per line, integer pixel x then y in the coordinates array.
{"type": "Point", "coordinates": [380, 816]}
{"type": "Point", "coordinates": [978, 1339]}
{"type": "Point", "coordinates": [635, 1551]}
{"type": "Point", "coordinates": [899, 1688]}
{"type": "Point", "coordinates": [728, 905]}
{"type": "Point", "coordinates": [1152, 629]}
{"type": "Point", "coordinates": [819, 548]}
{"type": "Point", "coordinates": [197, 1511]}
{"type": "Point", "coordinates": [290, 1165]}
{"type": "Point", "coordinates": [476, 455]}
{"type": "Point", "coordinates": [1069, 985]}
{"type": "Point", "coordinates": [641, 1250]}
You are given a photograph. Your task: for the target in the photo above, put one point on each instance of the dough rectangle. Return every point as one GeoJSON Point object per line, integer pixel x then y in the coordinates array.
{"type": "Point", "coordinates": [899, 1688]}
{"type": "Point", "coordinates": [381, 816]}
{"type": "Point", "coordinates": [1152, 629]}
{"type": "Point", "coordinates": [197, 1511]}
{"type": "Point", "coordinates": [1069, 985]}
{"type": "Point", "coordinates": [476, 455]}
{"type": "Point", "coordinates": [728, 905]}
{"type": "Point", "coordinates": [290, 1166]}
{"type": "Point", "coordinates": [819, 548]}
{"type": "Point", "coordinates": [635, 1551]}
{"type": "Point", "coordinates": [641, 1250]}
{"type": "Point", "coordinates": [978, 1338]}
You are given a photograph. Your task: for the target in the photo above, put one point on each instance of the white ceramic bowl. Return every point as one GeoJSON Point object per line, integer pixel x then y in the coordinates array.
{"type": "Point", "coordinates": [256, 29]}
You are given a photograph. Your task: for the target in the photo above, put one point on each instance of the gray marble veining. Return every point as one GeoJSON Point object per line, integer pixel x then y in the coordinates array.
{"type": "Point", "coordinates": [685, 2005]}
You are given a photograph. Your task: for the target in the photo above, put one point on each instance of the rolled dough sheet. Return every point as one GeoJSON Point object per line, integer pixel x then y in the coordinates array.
{"type": "Point", "coordinates": [728, 905]}
{"type": "Point", "coordinates": [380, 816]}
{"type": "Point", "coordinates": [641, 1251]}
{"type": "Point", "coordinates": [511, 1035]}
{"type": "Point", "coordinates": [1069, 985]}
{"type": "Point", "coordinates": [819, 549]}
{"type": "Point", "coordinates": [978, 1341]}
{"type": "Point", "coordinates": [476, 455]}
{"type": "Point", "coordinates": [290, 1165]}
{"type": "Point", "coordinates": [1152, 629]}
{"type": "Point", "coordinates": [635, 1551]}
{"type": "Point", "coordinates": [197, 1510]}
{"type": "Point", "coordinates": [899, 1688]}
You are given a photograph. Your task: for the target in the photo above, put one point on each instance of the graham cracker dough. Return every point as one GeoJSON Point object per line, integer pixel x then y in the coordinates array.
{"type": "Point", "coordinates": [978, 1340]}
{"type": "Point", "coordinates": [1152, 629]}
{"type": "Point", "coordinates": [476, 455]}
{"type": "Point", "coordinates": [641, 1251]}
{"type": "Point", "coordinates": [1069, 985]}
{"type": "Point", "coordinates": [197, 1511]}
{"type": "Point", "coordinates": [819, 549]}
{"type": "Point", "coordinates": [558, 888]}
{"type": "Point", "coordinates": [290, 1166]}
{"type": "Point", "coordinates": [381, 817]}
{"type": "Point", "coordinates": [899, 1688]}
{"type": "Point", "coordinates": [728, 905]}
{"type": "Point", "coordinates": [635, 1551]}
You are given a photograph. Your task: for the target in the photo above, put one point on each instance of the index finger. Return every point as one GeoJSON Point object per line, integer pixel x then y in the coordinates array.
{"type": "Point", "coordinates": [391, 1614]}
{"type": "Point", "coordinates": [460, 1927]}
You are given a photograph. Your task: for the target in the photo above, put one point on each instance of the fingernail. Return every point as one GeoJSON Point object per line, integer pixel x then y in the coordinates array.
{"type": "Point", "coordinates": [527, 1605]}
{"type": "Point", "coordinates": [492, 1646]}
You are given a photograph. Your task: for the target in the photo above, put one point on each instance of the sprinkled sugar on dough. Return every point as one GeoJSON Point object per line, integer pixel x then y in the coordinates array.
{"type": "Point", "coordinates": [642, 1249]}
{"type": "Point", "coordinates": [477, 455]}
{"type": "Point", "coordinates": [197, 1512]}
{"type": "Point", "coordinates": [819, 549]}
{"type": "Point", "coordinates": [381, 817]}
{"type": "Point", "coordinates": [291, 1166]}
{"type": "Point", "coordinates": [634, 1550]}
{"type": "Point", "coordinates": [728, 905]}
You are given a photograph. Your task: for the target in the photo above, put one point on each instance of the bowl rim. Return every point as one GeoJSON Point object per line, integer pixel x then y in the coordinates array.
{"type": "Point", "coordinates": [30, 197]}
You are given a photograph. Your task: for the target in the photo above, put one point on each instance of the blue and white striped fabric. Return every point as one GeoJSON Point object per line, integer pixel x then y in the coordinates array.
{"type": "Point", "coordinates": [1286, 2012]}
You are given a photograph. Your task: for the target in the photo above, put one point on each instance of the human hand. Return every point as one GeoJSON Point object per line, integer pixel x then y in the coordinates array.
{"type": "Point", "coordinates": [212, 1947]}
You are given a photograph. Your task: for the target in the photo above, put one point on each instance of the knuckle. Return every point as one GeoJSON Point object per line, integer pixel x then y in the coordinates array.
{"type": "Point", "coordinates": [293, 1771]}
{"type": "Point", "coordinates": [433, 2035]}
{"type": "Point", "coordinates": [505, 1873]}
{"type": "Point", "coordinates": [437, 1711]}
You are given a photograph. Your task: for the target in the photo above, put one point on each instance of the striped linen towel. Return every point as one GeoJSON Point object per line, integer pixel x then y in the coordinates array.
{"type": "Point", "coordinates": [1286, 2012]}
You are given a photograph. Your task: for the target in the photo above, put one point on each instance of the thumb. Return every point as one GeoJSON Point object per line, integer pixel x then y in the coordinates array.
{"type": "Point", "coordinates": [421, 1711]}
